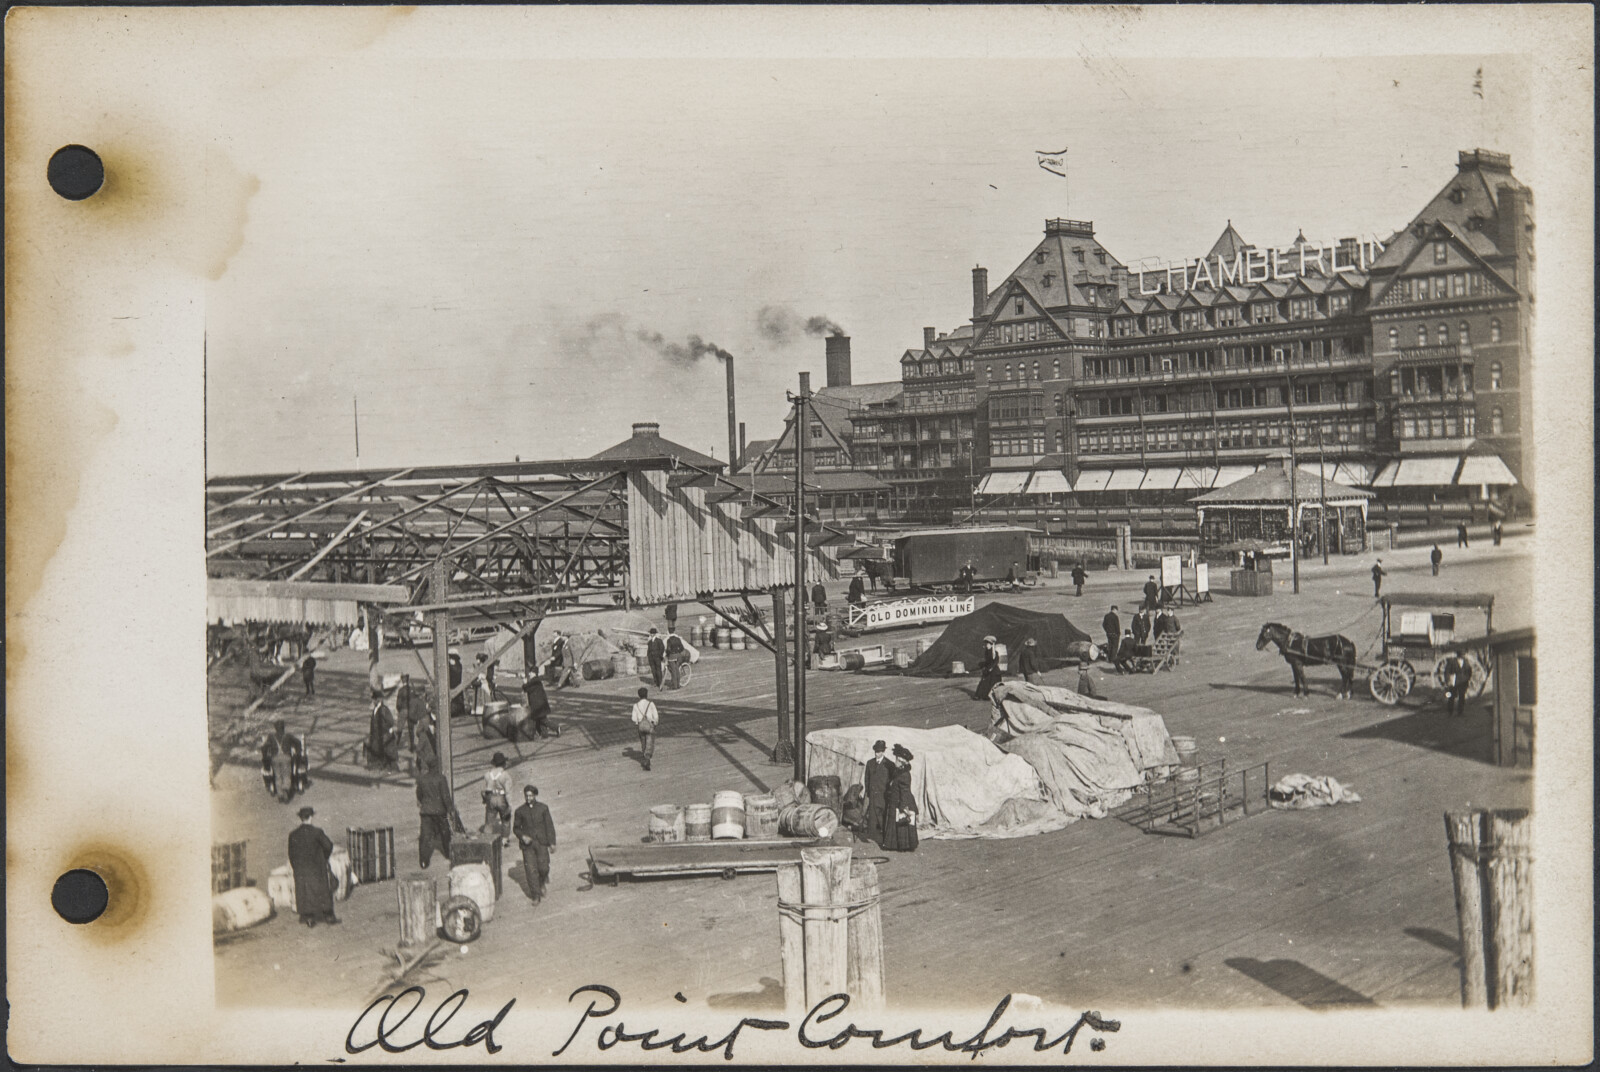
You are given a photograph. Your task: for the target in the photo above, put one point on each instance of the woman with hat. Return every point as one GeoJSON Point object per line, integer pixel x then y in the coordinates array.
{"type": "Point", "coordinates": [309, 851]}
{"type": "Point", "coordinates": [1029, 664]}
{"type": "Point", "coordinates": [383, 729]}
{"type": "Point", "coordinates": [988, 669]}
{"type": "Point", "coordinates": [900, 806]}
{"type": "Point", "coordinates": [497, 797]}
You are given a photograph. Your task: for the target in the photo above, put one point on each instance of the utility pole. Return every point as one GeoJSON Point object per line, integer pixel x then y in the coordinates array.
{"type": "Point", "coordinates": [355, 413]}
{"type": "Point", "coordinates": [439, 592]}
{"type": "Point", "coordinates": [801, 427]}
{"type": "Point", "coordinates": [1322, 480]}
{"type": "Point", "coordinates": [1294, 501]}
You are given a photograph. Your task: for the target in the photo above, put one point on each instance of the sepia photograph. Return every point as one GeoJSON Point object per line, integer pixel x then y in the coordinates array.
{"type": "Point", "coordinates": [802, 535]}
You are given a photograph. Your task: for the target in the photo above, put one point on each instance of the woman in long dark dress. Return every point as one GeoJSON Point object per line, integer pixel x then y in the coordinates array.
{"type": "Point", "coordinates": [900, 806]}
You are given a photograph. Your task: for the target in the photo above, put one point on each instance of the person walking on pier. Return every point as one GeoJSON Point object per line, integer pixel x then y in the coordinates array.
{"type": "Point", "coordinates": [1460, 680]}
{"type": "Point", "coordinates": [1152, 593]}
{"type": "Point", "coordinates": [1378, 574]}
{"type": "Point", "coordinates": [677, 655]}
{"type": "Point", "coordinates": [309, 851]}
{"type": "Point", "coordinates": [1461, 534]}
{"type": "Point", "coordinates": [1079, 577]}
{"type": "Point", "coordinates": [988, 670]}
{"type": "Point", "coordinates": [1028, 662]}
{"type": "Point", "coordinates": [819, 599]}
{"type": "Point", "coordinates": [655, 649]}
{"type": "Point", "coordinates": [1436, 556]}
{"type": "Point", "coordinates": [308, 674]}
{"type": "Point", "coordinates": [536, 833]}
{"type": "Point", "coordinates": [645, 718]}
{"type": "Point", "coordinates": [900, 806]}
{"type": "Point", "coordinates": [880, 772]}
{"type": "Point", "coordinates": [496, 796]}
{"type": "Point", "coordinates": [1113, 627]}
{"type": "Point", "coordinates": [857, 592]}
{"type": "Point", "coordinates": [538, 704]}
{"type": "Point", "coordinates": [436, 807]}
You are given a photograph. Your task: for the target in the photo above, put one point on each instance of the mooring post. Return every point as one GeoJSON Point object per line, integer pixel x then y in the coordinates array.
{"type": "Point", "coordinates": [824, 874]}
{"type": "Point", "coordinates": [1463, 831]}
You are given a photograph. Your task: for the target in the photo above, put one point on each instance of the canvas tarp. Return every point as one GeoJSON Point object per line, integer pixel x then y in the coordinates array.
{"type": "Point", "coordinates": [965, 787]}
{"type": "Point", "coordinates": [1089, 754]}
{"type": "Point", "coordinates": [962, 639]}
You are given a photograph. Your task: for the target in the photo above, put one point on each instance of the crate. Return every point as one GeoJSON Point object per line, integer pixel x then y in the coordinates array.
{"type": "Point", "coordinates": [1204, 798]}
{"type": "Point", "coordinates": [371, 853]}
{"type": "Point", "coordinates": [227, 866]}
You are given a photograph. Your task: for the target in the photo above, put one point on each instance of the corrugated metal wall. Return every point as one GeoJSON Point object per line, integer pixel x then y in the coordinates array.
{"type": "Point", "coordinates": [678, 547]}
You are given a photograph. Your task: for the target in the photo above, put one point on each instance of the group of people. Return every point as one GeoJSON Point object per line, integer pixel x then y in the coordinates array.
{"type": "Point", "coordinates": [1124, 644]}
{"type": "Point", "coordinates": [890, 815]}
{"type": "Point", "coordinates": [666, 656]}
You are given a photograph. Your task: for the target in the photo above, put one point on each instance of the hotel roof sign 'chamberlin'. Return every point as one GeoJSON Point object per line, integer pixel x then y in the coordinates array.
{"type": "Point", "coordinates": [1251, 264]}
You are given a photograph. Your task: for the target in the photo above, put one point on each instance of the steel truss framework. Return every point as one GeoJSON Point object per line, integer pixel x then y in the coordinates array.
{"type": "Point", "coordinates": [521, 538]}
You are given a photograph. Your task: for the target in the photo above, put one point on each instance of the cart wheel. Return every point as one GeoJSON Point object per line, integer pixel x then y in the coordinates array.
{"type": "Point", "coordinates": [460, 919]}
{"type": "Point", "coordinates": [1441, 673]}
{"type": "Point", "coordinates": [728, 872]}
{"type": "Point", "coordinates": [1390, 682]}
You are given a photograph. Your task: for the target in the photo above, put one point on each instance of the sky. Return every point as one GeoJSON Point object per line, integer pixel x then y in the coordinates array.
{"type": "Point", "coordinates": [491, 255]}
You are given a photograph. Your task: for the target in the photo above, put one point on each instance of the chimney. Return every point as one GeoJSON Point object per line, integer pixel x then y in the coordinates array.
{"type": "Point", "coordinates": [742, 443]}
{"type": "Point", "coordinates": [805, 385]}
{"type": "Point", "coordinates": [838, 360]}
{"type": "Point", "coordinates": [980, 290]}
{"type": "Point", "coordinates": [646, 428]}
{"type": "Point", "coordinates": [733, 457]}
{"type": "Point", "coordinates": [927, 338]}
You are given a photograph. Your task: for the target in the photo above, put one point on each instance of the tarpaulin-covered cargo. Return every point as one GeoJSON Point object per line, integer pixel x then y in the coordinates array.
{"type": "Point", "coordinates": [962, 639]}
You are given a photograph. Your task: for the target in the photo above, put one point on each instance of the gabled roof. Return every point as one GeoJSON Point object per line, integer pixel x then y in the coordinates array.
{"type": "Point", "coordinates": [1431, 232]}
{"type": "Point", "coordinates": [1271, 485]}
{"type": "Point", "coordinates": [643, 444]}
{"type": "Point", "coordinates": [1473, 191]}
{"type": "Point", "coordinates": [1061, 264]}
{"type": "Point", "coordinates": [1008, 290]}
{"type": "Point", "coordinates": [1131, 306]}
{"type": "Point", "coordinates": [1228, 244]}
{"type": "Point", "coordinates": [1167, 301]}
{"type": "Point", "coordinates": [753, 450]}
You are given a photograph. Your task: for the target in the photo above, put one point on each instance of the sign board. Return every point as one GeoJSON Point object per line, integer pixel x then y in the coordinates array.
{"type": "Point", "coordinates": [1171, 571]}
{"type": "Point", "coordinates": [1202, 577]}
{"type": "Point", "coordinates": [889, 613]}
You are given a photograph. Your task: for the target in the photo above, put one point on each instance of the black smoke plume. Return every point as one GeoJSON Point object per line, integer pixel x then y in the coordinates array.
{"type": "Point", "coordinates": [679, 353]}
{"type": "Point", "coordinates": [784, 326]}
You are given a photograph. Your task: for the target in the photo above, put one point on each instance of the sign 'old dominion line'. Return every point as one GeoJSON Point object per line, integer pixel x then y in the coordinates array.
{"type": "Point", "coordinates": [1253, 265]}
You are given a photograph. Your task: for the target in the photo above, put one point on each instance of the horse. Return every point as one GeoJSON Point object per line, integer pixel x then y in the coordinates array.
{"type": "Point", "coordinates": [1298, 649]}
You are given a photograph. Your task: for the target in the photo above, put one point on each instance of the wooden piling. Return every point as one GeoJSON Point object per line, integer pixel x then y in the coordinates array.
{"type": "Point", "coordinates": [1463, 829]}
{"type": "Point", "coordinates": [865, 937]}
{"type": "Point", "coordinates": [783, 752]}
{"type": "Point", "coordinates": [824, 873]}
{"type": "Point", "coordinates": [791, 941]}
{"type": "Point", "coordinates": [1508, 919]}
{"type": "Point", "coordinates": [418, 910]}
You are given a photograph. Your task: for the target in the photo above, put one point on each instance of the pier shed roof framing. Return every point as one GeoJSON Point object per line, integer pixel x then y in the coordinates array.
{"type": "Point", "coordinates": [519, 534]}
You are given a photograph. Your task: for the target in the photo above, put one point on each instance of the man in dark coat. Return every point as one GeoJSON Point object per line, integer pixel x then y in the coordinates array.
{"type": "Point", "coordinates": [857, 593]}
{"type": "Point", "coordinates": [1497, 530]}
{"type": "Point", "coordinates": [1436, 556]}
{"type": "Point", "coordinates": [819, 598]}
{"type": "Point", "coordinates": [1378, 574]}
{"type": "Point", "coordinates": [458, 701]}
{"type": "Point", "coordinates": [538, 704]}
{"type": "Point", "coordinates": [427, 746]}
{"type": "Point", "coordinates": [1080, 577]}
{"type": "Point", "coordinates": [1141, 625]}
{"type": "Point", "coordinates": [308, 674]}
{"type": "Point", "coordinates": [880, 772]}
{"type": "Point", "coordinates": [900, 806]}
{"type": "Point", "coordinates": [655, 650]}
{"type": "Point", "coordinates": [309, 850]}
{"type": "Point", "coordinates": [1166, 622]}
{"type": "Point", "coordinates": [436, 805]}
{"type": "Point", "coordinates": [967, 574]}
{"type": "Point", "coordinates": [536, 833]}
{"type": "Point", "coordinates": [988, 670]}
{"type": "Point", "coordinates": [383, 737]}
{"type": "Point", "coordinates": [1152, 593]}
{"type": "Point", "coordinates": [1460, 680]}
{"type": "Point", "coordinates": [677, 655]}
{"type": "Point", "coordinates": [1029, 664]}
{"type": "Point", "coordinates": [1113, 627]}
{"type": "Point", "coordinates": [1461, 534]}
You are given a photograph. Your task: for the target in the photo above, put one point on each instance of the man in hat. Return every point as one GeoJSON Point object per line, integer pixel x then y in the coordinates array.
{"type": "Point", "coordinates": [645, 719]}
{"type": "Point", "coordinates": [988, 670]}
{"type": "Point", "coordinates": [427, 746]}
{"type": "Point", "coordinates": [824, 640]}
{"type": "Point", "coordinates": [482, 684]}
{"type": "Point", "coordinates": [458, 702]}
{"type": "Point", "coordinates": [436, 806]}
{"type": "Point", "coordinates": [655, 649]}
{"type": "Point", "coordinates": [880, 772]}
{"type": "Point", "coordinates": [677, 655]}
{"type": "Point", "coordinates": [1436, 556]}
{"type": "Point", "coordinates": [857, 593]}
{"type": "Point", "coordinates": [1378, 574]}
{"type": "Point", "coordinates": [1080, 577]}
{"type": "Point", "coordinates": [308, 674]}
{"type": "Point", "coordinates": [1029, 665]}
{"type": "Point", "coordinates": [900, 806]}
{"type": "Point", "coordinates": [536, 833]}
{"type": "Point", "coordinates": [383, 729]}
{"type": "Point", "coordinates": [1113, 627]}
{"type": "Point", "coordinates": [538, 704]}
{"type": "Point", "coordinates": [1085, 681]}
{"type": "Point", "coordinates": [283, 762]}
{"type": "Point", "coordinates": [819, 599]}
{"type": "Point", "coordinates": [1141, 625]}
{"type": "Point", "coordinates": [309, 851]}
{"type": "Point", "coordinates": [496, 796]}
{"type": "Point", "coordinates": [1152, 593]}
{"type": "Point", "coordinates": [1461, 534]}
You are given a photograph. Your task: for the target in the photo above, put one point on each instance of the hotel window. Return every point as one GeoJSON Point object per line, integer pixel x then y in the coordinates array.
{"type": "Point", "coordinates": [1444, 334]}
{"type": "Point", "coordinates": [1497, 421]}
{"type": "Point", "coordinates": [1124, 326]}
{"type": "Point", "coordinates": [1422, 334]}
{"type": "Point", "coordinates": [1038, 257]}
{"type": "Point", "coordinates": [1036, 370]}
{"type": "Point", "coordinates": [1077, 251]}
{"type": "Point", "coordinates": [1061, 408]}
{"type": "Point", "coordinates": [1338, 304]}
{"type": "Point", "coordinates": [1008, 370]}
{"type": "Point", "coordinates": [1441, 287]}
{"type": "Point", "coordinates": [988, 372]}
{"type": "Point", "coordinates": [1440, 252]}
{"type": "Point", "coordinates": [1394, 339]}
{"type": "Point", "coordinates": [1091, 296]}
{"type": "Point", "coordinates": [1193, 319]}
{"type": "Point", "coordinates": [1302, 308]}
{"type": "Point", "coordinates": [1261, 313]}
{"type": "Point", "coordinates": [1018, 307]}
{"type": "Point", "coordinates": [1061, 441]}
{"type": "Point", "coordinates": [1055, 369]}
{"type": "Point", "coordinates": [1494, 330]}
{"type": "Point", "coordinates": [1463, 334]}
{"type": "Point", "coordinates": [1408, 428]}
{"type": "Point", "coordinates": [1100, 256]}
{"type": "Point", "coordinates": [1458, 285]}
{"type": "Point", "coordinates": [1155, 323]}
{"type": "Point", "coordinates": [1033, 330]}
{"type": "Point", "coordinates": [1227, 316]}
{"type": "Point", "coordinates": [1495, 372]}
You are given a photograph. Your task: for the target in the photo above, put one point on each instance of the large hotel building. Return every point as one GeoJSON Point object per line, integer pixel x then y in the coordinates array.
{"type": "Point", "coordinates": [1081, 384]}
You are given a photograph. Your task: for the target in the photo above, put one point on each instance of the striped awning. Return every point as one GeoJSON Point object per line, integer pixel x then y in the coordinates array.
{"type": "Point", "coordinates": [1049, 482]}
{"type": "Point", "coordinates": [1386, 475]}
{"type": "Point", "coordinates": [298, 602]}
{"type": "Point", "coordinates": [1125, 480]}
{"type": "Point", "coordinates": [1160, 479]}
{"type": "Point", "coordinates": [1203, 478]}
{"type": "Point", "coordinates": [1427, 472]}
{"type": "Point", "coordinates": [1484, 469]}
{"type": "Point", "coordinates": [1092, 480]}
{"type": "Point", "coordinates": [1002, 483]}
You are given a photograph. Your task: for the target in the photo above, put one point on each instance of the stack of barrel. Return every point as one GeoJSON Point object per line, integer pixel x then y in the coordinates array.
{"type": "Point", "coordinates": [793, 811]}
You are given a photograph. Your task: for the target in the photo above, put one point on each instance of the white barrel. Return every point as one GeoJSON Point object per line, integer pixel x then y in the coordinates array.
{"type": "Point", "coordinates": [477, 882]}
{"type": "Point", "coordinates": [727, 815]}
{"type": "Point", "coordinates": [343, 876]}
{"type": "Point", "coordinates": [241, 907]}
{"type": "Point", "coordinates": [280, 887]}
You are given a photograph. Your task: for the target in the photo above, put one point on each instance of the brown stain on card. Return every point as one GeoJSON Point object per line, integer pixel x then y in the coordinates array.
{"type": "Point", "coordinates": [128, 891]}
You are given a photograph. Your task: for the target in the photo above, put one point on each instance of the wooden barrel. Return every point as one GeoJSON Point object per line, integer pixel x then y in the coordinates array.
{"type": "Point", "coordinates": [236, 909]}
{"type": "Point", "coordinates": [666, 823]}
{"type": "Point", "coordinates": [697, 822]}
{"type": "Point", "coordinates": [459, 919]}
{"type": "Point", "coordinates": [280, 887]}
{"type": "Point", "coordinates": [1186, 749]}
{"type": "Point", "coordinates": [597, 669]}
{"type": "Point", "coordinates": [697, 635]}
{"type": "Point", "coordinates": [727, 815]}
{"type": "Point", "coordinates": [1189, 774]}
{"type": "Point", "coordinates": [474, 881]}
{"type": "Point", "coordinates": [957, 668]}
{"type": "Point", "coordinates": [807, 820]}
{"type": "Point", "coordinates": [827, 790]}
{"type": "Point", "coordinates": [622, 663]}
{"type": "Point", "coordinates": [719, 637]}
{"type": "Point", "coordinates": [761, 817]}
{"type": "Point", "coordinates": [853, 660]}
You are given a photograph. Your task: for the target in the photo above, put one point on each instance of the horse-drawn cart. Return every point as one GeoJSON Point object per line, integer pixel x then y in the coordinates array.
{"type": "Point", "coordinates": [1419, 644]}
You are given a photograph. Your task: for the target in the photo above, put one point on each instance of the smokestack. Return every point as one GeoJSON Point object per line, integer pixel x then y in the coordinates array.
{"type": "Point", "coordinates": [733, 438]}
{"type": "Point", "coordinates": [642, 429]}
{"type": "Point", "coordinates": [805, 384]}
{"type": "Point", "coordinates": [742, 444]}
{"type": "Point", "coordinates": [927, 338]}
{"type": "Point", "coordinates": [980, 290]}
{"type": "Point", "coordinates": [838, 360]}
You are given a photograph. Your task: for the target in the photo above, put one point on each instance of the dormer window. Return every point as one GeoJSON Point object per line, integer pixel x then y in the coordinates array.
{"type": "Point", "coordinates": [1077, 251]}
{"type": "Point", "coordinates": [1018, 307]}
{"type": "Point", "coordinates": [1262, 313]}
{"type": "Point", "coordinates": [1049, 278]}
{"type": "Point", "coordinates": [1100, 255]}
{"type": "Point", "coordinates": [1338, 304]}
{"type": "Point", "coordinates": [1091, 296]}
{"type": "Point", "coordinates": [1441, 252]}
{"type": "Point", "coordinates": [1457, 195]}
{"type": "Point", "coordinates": [1038, 257]}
